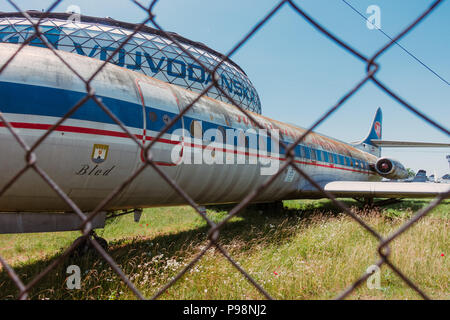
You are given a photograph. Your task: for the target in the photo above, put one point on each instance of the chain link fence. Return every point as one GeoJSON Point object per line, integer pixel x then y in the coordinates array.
{"type": "Point", "coordinates": [214, 228]}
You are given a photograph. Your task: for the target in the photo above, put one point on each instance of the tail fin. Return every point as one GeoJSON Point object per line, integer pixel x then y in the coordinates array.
{"type": "Point", "coordinates": [421, 176]}
{"type": "Point", "coordinates": [375, 133]}
{"type": "Point", "coordinates": [376, 128]}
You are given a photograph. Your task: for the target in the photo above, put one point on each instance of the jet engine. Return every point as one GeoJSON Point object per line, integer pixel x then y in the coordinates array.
{"type": "Point", "coordinates": [390, 169]}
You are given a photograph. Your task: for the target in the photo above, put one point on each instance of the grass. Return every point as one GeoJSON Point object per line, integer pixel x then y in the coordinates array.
{"type": "Point", "coordinates": [310, 250]}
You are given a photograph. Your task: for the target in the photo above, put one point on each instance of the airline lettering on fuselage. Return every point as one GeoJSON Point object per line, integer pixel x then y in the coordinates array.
{"type": "Point", "coordinates": [172, 67]}
{"type": "Point", "coordinates": [89, 170]}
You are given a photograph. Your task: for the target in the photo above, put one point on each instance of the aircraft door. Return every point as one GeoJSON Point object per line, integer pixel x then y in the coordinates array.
{"type": "Point", "coordinates": [143, 137]}
{"type": "Point", "coordinates": [159, 108]}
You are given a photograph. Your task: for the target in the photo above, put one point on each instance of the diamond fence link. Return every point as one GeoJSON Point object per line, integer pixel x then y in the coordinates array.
{"type": "Point", "coordinates": [214, 231]}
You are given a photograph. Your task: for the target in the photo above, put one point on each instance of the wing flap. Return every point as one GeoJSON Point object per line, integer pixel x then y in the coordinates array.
{"type": "Point", "coordinates": [386, 189]}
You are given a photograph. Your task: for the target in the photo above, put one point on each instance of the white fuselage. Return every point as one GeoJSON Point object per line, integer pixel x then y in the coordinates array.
{"type": "Point", "coordinates": [37, 89]}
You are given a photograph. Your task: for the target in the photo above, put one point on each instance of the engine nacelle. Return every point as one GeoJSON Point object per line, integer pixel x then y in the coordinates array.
{"type": "Point", "coordinates": [390, 169]}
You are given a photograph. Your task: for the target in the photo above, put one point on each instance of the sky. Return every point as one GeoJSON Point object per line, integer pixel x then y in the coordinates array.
{"type": "Point", "coordinates": [299, 73]}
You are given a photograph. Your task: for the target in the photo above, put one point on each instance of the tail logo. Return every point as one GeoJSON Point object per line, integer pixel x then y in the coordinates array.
{"type": "Point", "coordinates": [377, 128]}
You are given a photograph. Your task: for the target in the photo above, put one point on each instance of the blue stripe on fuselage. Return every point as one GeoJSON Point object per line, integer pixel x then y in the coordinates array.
{"type": "Point", "coordinates": [54, 102]}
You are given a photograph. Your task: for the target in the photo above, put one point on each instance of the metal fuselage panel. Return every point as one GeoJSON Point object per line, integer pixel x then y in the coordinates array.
{"type": "Point", "coordinates": [37, 89]}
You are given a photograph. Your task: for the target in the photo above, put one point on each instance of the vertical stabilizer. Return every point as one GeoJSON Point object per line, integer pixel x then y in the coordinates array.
{"type": "Point", "coordinates": [375, 132]}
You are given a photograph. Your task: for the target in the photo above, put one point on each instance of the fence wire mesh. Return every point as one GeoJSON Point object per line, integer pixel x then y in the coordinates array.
{"type": "Point", "coordinates": [214, 228]}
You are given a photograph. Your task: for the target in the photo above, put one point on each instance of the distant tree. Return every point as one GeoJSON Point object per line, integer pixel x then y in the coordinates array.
{"type": "Point", "coordinates": [411, 172]}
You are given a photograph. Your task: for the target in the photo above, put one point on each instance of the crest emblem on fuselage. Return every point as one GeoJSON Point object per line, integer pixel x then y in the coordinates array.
{"type": "Point", "coordinates": [377, 127]}
{"type": "Point", "coordinates": [99, 153]}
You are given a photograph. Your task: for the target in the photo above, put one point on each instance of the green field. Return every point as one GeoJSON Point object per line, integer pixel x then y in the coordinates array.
{"type": "Point", "coordinates": [310, 250]}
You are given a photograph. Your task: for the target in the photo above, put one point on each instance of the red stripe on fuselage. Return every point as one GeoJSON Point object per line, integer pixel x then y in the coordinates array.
{"type": "Point", "coordinates": [109, 133]}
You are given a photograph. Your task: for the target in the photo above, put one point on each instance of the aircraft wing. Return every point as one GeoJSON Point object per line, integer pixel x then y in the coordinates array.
{"type": "Point", "coordinates": [386, 189]}
{"type": "Point", "coordinates": [408, 144]}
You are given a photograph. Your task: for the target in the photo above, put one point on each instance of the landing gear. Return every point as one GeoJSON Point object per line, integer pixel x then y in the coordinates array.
{"type": "Point", "coordinates": [367, 202]}
{"type": "Point", "coordinates": [276, 207]}
{"type": "Point", "coordinates": [371, 203]}
{"type": "Point", "coordinates": [86, 247]}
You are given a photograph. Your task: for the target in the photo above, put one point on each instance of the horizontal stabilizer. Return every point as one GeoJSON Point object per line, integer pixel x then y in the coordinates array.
{"type": "Point", "coordinates": [408, 144]}
{"type": "Point", "coordinates": [386, 189]}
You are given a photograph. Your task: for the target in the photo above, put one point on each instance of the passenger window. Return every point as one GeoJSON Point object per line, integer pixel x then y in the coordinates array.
{"type": "Point", "coordinates": [166, 119]}
{"type": "Point", "coordinates": [313, 154]}
{"type": "Point", "coordinates": [241, 141]}
{"type": "Point", "coordinates": [282, 151]}
{"type": "Point", "coordinates": [318, 155]}
{"type": "Point", "coordinates": [196, 129]}
{"type": "Point", "coordinates": [262, 143]}
{"type": "Point", "coordinates": [152, 116]}
{"type": "Point", "coordinates": [302, 151]}
{"type": "Point", "coordinates": [298, 151]}
{"type": "Point", "coordinates": [308, 152]}
{"type": "Point", "coordinates": [222, 133]}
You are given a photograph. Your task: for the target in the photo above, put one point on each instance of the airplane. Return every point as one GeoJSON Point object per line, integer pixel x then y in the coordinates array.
{"type": "Point", "coordinates": [89, 155]}
{"type": "Point", "coordinates": [421, 176]}
{"type": "Point", "coordinates": [445, 178]}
